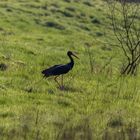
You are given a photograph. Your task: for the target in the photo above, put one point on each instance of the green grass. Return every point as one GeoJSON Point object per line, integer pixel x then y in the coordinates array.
{"type": "Point", "coordinates": [36, 34]}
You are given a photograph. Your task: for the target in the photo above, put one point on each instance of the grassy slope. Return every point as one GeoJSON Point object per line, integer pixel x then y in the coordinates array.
{"type": "Point", "coordinates": [96, 105]}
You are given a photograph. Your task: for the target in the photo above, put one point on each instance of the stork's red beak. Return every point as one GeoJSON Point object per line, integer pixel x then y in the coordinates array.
{"type": "Point", "coordinates": [75, 56]}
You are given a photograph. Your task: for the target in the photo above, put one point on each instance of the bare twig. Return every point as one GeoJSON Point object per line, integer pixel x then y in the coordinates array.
{"type": "Point", "coordinates": [126, 30]}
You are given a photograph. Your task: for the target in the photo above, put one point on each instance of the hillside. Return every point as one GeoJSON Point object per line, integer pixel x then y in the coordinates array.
{"type": "Point", "coordinates": [36, 34]}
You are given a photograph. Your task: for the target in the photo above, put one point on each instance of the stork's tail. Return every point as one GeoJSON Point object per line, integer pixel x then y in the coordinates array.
{"type": "Point", "coordinates": [45, 73]}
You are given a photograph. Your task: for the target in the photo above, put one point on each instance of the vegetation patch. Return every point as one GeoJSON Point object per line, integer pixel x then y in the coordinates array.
{"type": "Point", "coordinates": [72, 9]}
{"type": "Point", "coordinates": [67, 1]}
{"type": "Point", "coordinates": [67, 14]}
{"type": "Point", "coordinates": [63, 102]}
{"type": "Point", "coordinates": [87, 3]}
{"type": "Point", "coordinates": [99, 34]}
{"type": "Point", "coordinates": [3, 67]}
{"type": "Point", "coordinates": [84, 27]}
{"type": "Point", "coordinates": [78, 131]}
{"type": "Point", "coordinates": [6, 114]}
{"type": "Point", "coordinates": [95, 21]}
{"type": "Point", "coordinates": [115, 122]}
{"type": "Point", "coordinates": [55, 25]}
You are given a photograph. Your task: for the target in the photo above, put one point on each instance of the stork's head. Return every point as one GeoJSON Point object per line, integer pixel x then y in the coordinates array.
{"type": "Point", "coordinates": [69, 53]}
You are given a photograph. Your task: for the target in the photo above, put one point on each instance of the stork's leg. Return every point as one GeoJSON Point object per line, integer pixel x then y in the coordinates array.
{"type": "Point", "coordinates": [62, 81]}
{"type": "Point", "coordinates": [62, 86]}
{"type": "Point", "coordinates": [57, 81]}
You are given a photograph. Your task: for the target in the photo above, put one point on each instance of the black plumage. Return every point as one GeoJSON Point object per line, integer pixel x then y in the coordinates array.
{"type": "Point", "coordinates": [57, 70]}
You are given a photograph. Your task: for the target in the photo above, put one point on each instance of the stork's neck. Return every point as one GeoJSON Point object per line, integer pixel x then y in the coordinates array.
{"type": "Point", "coordinates": [71, 61]}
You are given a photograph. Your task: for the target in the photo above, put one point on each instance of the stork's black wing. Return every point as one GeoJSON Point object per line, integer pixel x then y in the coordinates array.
{"type": "Point", "coordinates": [56, 70]}
{"type": "Point", "coordinates": [48, 72]}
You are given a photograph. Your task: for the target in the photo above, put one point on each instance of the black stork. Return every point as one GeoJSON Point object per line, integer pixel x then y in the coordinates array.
{"type": "Point", "coordinates": [58, 70]}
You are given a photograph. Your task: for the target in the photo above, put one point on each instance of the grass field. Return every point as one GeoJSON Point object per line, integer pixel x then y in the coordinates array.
{"type": "Point", "coordinates": [97, 105]}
